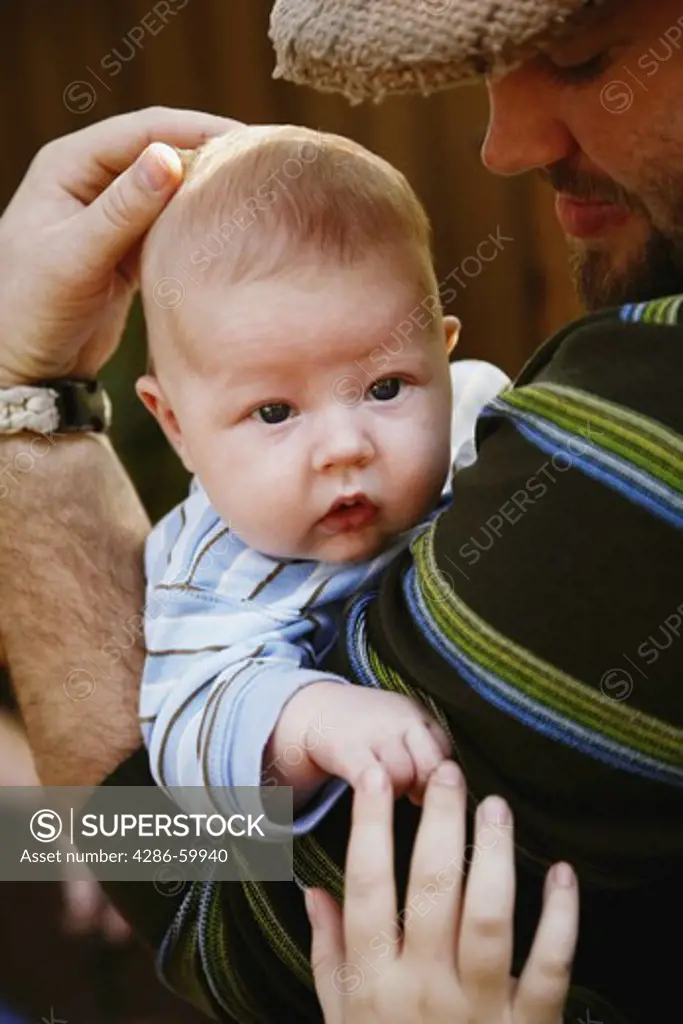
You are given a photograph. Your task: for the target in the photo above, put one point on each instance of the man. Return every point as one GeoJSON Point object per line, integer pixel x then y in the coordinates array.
{"type": "Point", "coordinates": [593, 110]}
{"type": "Point", "coordinates": [515, 654]}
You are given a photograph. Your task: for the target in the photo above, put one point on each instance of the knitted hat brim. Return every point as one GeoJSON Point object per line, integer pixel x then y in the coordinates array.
{"type": "Point", "coordinates": [369, 49]}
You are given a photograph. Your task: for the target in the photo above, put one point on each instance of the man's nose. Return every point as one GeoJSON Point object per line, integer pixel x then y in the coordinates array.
{"type": "Point", "coordinates": [526, 130]}
{"type": "Point", "coordinates": [345, 444]}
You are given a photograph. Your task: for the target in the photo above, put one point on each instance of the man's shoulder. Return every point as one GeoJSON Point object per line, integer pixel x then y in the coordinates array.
{"type": "Point", "coordinates": [635, 321]}
{"type": "Point", "coordinates": [603, 397]}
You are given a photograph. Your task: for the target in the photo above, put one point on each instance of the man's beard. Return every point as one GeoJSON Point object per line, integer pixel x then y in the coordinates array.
{"type": "Point", "coordinates": [656, 271]}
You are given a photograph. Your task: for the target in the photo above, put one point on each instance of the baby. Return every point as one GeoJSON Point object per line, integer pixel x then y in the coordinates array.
{"type": "Point", "coordinates": [300, 369]}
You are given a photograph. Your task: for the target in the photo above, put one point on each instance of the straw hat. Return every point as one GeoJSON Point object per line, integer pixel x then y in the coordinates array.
{"type": "Point", "coordinates": [368, 49]}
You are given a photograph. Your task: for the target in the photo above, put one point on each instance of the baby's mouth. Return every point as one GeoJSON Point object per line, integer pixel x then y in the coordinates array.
{"type": "Point", "coordinates": [349, 513]}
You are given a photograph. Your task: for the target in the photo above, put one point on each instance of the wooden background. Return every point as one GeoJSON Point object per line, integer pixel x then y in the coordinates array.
{"type": "Point", "coordinates": [68, 64]}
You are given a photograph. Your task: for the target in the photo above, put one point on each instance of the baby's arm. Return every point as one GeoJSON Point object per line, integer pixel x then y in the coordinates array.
{"type": "Point", "coordinates": [226, 673]}
{"type": "Point", "coordinates": [331, 729]}
{"type": "Point", "coordinates": [220, 672]}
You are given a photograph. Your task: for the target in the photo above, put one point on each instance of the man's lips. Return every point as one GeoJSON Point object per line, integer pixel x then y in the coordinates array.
{"type": "Point", "coordinates": [349, 514]}
{"type": "Point", "coordinates": [586, 218]}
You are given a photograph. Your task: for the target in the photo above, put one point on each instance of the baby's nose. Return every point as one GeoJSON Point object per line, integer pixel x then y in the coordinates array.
{"type": "Point", "coordinates": [346, 446]}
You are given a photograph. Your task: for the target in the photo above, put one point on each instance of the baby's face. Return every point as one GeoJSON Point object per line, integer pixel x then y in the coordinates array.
{"type": "Point", "coordinates": [302, 396]}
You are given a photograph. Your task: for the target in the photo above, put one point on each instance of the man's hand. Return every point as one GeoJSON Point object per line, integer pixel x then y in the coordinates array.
{"type": "Point", "coordinates": [86, 909]}
{"type": "Point", "coordinates": [447, 958]}
{"type": "Point", "coordinates": [72, 529]}
{"type": "Point", "coordinates": [69, 238]}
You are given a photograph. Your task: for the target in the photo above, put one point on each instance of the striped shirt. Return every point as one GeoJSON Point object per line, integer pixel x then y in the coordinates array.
{"type": "Point", "coordinates": [540, 617]}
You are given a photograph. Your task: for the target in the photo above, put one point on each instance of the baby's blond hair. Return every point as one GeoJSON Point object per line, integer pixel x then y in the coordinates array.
{"type": "Point", "coordinates": [258, 200]}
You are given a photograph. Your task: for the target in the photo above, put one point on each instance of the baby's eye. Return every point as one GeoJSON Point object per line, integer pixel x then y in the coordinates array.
{"type": "Point", "coordinates": [385, 390]}
{"type": "Point", "coordinates": [277, 412]}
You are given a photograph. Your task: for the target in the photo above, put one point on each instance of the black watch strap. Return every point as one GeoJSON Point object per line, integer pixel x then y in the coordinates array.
{"type": "Point", "coordinates": [83, 405]}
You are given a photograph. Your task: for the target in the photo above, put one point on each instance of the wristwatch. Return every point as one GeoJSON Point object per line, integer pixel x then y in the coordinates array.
{"type": "Point", "coordinates": [55, 407]}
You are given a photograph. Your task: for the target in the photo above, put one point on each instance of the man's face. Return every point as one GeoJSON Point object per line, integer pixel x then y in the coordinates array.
{"type": "Point", "coordinates": [600, 117]}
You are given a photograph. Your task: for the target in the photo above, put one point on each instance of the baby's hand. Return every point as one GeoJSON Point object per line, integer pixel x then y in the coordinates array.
{"type": "Point", "coordinates": [344, 730]}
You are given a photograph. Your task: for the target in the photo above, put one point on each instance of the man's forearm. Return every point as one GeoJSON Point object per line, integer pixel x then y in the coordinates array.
{"type": "Point", "coordinates": [17, 767]}
{"type": "Point", "coordinates": [72, 531]}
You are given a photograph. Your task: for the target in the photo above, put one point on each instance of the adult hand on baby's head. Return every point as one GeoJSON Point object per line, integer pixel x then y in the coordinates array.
{"type": "Point", "coordinates": [67, 238]}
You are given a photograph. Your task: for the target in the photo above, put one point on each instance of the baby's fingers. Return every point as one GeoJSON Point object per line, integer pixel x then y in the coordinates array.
{"type": "Point", "coordinates": [544, 983]}
{"type": "Point", "coordinates": [427, 753]}
{"type": "Point", "coordinates": [345, 761]}
{"type": "Point", "coordinates": [395, 756]}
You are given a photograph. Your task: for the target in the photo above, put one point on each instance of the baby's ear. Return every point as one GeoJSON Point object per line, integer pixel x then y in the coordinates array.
{"type": "Point", "coordinates": [451, 327]}
{"type": "Point", "coordinates": [152, 396]}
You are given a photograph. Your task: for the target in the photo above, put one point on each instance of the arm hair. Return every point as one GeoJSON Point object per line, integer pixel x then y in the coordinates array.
{"type": "Point", "coordinates": [72, 533]}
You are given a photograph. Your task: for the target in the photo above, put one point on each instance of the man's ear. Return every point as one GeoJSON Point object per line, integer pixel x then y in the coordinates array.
{"type": "Point", "coordinates": [152, 396]}
{"type": "Point", "coordinates": [451, 327]}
